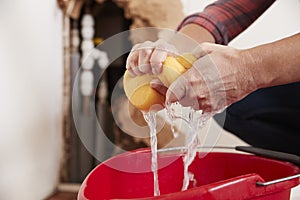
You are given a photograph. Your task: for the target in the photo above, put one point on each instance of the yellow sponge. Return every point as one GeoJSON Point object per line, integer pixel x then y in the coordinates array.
{"type": "Point", "coordinates": [139, 91]}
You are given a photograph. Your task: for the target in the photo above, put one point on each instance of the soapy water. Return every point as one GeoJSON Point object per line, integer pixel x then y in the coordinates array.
{"type": "Point", "coordinates": [150, 118]}
{"type": "Point", "coordinates": [192, 179]}
{"type": "Point", "coordinates": [195, 120]}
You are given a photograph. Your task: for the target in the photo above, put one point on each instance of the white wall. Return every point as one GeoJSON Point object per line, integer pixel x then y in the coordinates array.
{"type": "Point", "coordinates": [31, 76]}
{"type": "Point", "coordinates": [280, 21]}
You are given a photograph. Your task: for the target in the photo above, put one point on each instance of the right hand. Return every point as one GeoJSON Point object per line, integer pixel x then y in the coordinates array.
{"type": "Point", "coordinates": [148, 57]}
{"type": "Point", "coordinates": [220, 76]}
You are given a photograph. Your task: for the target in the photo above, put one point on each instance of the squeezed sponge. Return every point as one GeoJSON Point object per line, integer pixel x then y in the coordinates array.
{"type": "Point", "coordinates": [138, 89]}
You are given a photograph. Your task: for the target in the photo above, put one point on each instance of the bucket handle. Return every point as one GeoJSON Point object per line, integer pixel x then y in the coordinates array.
{"type": "Point", "coordinates": [260, 152]}
{"type": "Point", "coordinates": [270, 154]}
{"type": "Point", "coordinates": [277, 180]}
{"type": "Point", "coordinates": [274, 155]}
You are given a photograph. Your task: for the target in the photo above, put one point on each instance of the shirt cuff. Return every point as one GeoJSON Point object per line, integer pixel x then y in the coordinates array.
{"type": "Point", "coordinates": [216, 29]}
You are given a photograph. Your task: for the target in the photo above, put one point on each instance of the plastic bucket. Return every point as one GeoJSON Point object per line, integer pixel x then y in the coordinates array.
{"type": "Point", "coordinates": [218, 176]}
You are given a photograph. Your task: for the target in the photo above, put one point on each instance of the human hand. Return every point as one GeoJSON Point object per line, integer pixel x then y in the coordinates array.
{"type": "Point", "coordinates": [218, 78]}
{"type": "Point", "coordinates": [147, 57]}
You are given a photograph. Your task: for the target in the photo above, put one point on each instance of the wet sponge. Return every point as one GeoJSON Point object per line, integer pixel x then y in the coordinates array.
{"type": "Point", "coordinates": [139, 91]}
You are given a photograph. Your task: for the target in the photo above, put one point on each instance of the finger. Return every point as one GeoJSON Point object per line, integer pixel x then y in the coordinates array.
{"type": "Point", "coordinates": [133, 64]}
{"type": "Point", "coordinates": [128, 66]}
{"type": "Point", "coordinates": [189, 99]}
{"type": "Point", "coordinates": [206, 108]}
{"type": "Point", "coordinates": [145, 51]}
{"type": "Point", "coordinates": [203, 49]}
{"type": "Point", "coordinates": [177, 90]}
{"type": "Point", "coordinates": [157, 58]}
{"type": "Point", "coordinates": [160, 53]}
{"type": "Point", "coordinates": [158, 86]}
{"type": "Point", "coordinates": [163, 45]}
{"type": "Point", "coordinates": [144, 60]}
{"type": "Point", "coordinates": [136, 46]}
{"type": "Point", "coordinates": [131, 60]}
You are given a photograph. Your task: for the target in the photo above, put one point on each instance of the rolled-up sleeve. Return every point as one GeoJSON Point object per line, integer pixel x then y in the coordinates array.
{"type": "Point", "coordinates": [225, 19]}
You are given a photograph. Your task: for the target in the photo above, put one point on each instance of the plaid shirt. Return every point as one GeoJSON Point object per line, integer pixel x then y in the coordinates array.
{"type": "Point", "coordinates": [225, 19]}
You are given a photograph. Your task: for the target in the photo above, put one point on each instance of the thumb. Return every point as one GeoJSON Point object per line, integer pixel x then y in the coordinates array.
{"type": "Point", "coordinates": [177, 90]}
{"type": "Point", "coordinates": [204, 49]}
{"type": "Point", "coordinates": [158, 86]}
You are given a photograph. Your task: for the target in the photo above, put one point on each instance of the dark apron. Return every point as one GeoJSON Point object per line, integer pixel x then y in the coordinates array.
{"type": "Point", "coordinates": [267, 118]}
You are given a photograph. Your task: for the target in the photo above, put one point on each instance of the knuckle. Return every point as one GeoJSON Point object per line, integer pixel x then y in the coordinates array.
{"type": "Point", "coordinates": [136, 46]}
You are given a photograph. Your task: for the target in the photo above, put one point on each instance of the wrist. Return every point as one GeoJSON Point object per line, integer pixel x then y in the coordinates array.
{"type": "Point", "coordinates": [189, 37]}
{"type": "Point", "coordinates": [254, 62]}
{"type": "Point", "coordinates": [198, 33]}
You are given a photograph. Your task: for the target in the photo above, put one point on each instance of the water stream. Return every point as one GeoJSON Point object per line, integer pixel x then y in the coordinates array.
{"type": "Point", "coordinates": [150, 118]}
{"type": "Point", "coordinates": [194, 120]}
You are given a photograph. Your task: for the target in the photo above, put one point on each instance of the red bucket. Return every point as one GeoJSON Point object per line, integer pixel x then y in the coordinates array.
{"type": "Point", "coordinates": [218, 176]}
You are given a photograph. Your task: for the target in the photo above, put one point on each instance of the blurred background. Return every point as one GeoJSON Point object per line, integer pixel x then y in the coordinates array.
{"type": "Point", "coordinates": [42, 46]}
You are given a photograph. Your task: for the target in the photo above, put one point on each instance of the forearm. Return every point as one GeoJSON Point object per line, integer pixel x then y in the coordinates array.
{"type": "Point", "coordinates": [189, 37]}
{"type": "Point", "coordinates": [276, 63]}
{"type": "Point", "coordinates": [198, 33]}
